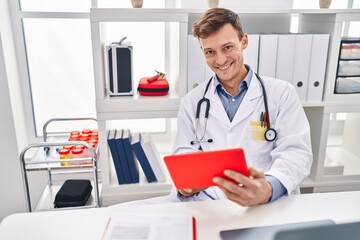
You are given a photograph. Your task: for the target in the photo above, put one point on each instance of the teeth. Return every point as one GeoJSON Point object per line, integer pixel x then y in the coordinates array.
{"type": "Point", "coordinates": [224, 67]}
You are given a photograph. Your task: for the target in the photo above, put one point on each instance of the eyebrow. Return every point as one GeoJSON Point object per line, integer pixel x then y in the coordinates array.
{"type": "Point", "coordinates": [223, 45]}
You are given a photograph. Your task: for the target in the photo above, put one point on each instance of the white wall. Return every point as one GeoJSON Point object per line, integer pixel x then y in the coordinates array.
{"type": "Point", "coordinates": [12, 197]}
{"type": "Point", "coordinates": [12, 194]}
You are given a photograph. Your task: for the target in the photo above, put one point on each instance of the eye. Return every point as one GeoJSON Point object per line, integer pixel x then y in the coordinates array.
{"type": "Point", "coordinates": [209, 52]}
{"type": "Point", "coordinates": [228, 47]}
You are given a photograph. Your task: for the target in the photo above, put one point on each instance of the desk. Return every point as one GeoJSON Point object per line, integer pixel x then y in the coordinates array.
{"type": "Point", "coordinates": [211, 216]}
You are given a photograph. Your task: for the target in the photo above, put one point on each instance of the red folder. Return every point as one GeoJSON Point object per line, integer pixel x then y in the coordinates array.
{"type": "Point", "coordinates": [194, 228]}
{"type": "Point", "coordinates": [196, 170]}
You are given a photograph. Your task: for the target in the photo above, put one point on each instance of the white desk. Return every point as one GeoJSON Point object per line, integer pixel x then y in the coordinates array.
{"type": "Point", "coordinates": [211, 216]}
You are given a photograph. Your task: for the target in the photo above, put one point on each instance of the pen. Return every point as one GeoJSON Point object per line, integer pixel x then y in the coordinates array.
{"type": "Point", "coordinates": [265, 119]}
{"type": "Point", "coordinates": [261, 118]}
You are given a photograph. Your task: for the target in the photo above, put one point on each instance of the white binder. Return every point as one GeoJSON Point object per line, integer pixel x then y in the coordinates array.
{"type": "Point", "coordinates": [285, 57]}
{"type": "Point", "coordinates": [302, 56]}
{"type": "Point", "coordinates": [319, 51]}
{"type": "Point", "coordinates": [251, 53]}
{"type": "Point", "coordinates": [208, 73]}
{"type": "Point", "coordinates": [196, 63]}
{"type": "Point", "coordinates": [267, 54]}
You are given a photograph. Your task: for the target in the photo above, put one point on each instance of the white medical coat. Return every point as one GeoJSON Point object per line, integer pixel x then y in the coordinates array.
{"type": "Point", "coordinates": [288, 158]}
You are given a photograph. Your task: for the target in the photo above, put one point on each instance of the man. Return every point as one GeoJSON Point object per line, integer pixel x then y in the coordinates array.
{"type": "Point", "coordinates": [236, 103]}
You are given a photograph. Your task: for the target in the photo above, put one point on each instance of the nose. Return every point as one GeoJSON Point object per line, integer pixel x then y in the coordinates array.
{"type": "Point", "coordinates": [221, 58]}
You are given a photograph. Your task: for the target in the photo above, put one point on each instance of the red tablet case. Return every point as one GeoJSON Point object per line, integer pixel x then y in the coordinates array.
{"type": "Point", "coordinates": [158, 87]}
{"type": "Point", "coordinates": [196, 170]}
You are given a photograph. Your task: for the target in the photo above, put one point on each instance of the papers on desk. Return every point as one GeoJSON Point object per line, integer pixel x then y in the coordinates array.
{"type": "Point", "coordinates": [150, 227]}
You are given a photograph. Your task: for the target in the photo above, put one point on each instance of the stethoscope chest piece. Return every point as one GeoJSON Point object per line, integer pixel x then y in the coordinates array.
{"type": "Point", "coordinates": [270, 134]}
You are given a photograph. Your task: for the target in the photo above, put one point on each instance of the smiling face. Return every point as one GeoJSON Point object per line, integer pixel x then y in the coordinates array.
{"type": "Point", "coordinates": [223, 51]}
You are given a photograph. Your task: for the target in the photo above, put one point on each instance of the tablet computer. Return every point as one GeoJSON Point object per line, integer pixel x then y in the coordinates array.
{"type": "Point", "coordinates": [196, 170]}
{"type": "Point", "coordinates": [269, 232]}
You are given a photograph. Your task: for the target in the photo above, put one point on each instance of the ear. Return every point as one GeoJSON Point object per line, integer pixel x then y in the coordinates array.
{"type": "Point", "coordinates": [244, 41]}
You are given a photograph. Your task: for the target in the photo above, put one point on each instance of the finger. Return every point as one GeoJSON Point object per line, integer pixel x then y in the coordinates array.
{"type": "Point", "coordinates": [239, 197]}
{"type": "Point", "coordinates": [229, 185]}
{"type": "Point", "coordinates": [237, 177]}
{"type": "Point", "coordinates": [256, 173]}
{"type": "Point", "coordinates": [190, 191]}
{"type": "Point", "coordinates": [187, 190]}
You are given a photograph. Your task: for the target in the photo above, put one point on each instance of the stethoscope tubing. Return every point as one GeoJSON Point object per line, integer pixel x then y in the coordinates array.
{"type": "Point", "coordinates": [265, 100]}
{"type": "Point", "coordinates": [270, 133]}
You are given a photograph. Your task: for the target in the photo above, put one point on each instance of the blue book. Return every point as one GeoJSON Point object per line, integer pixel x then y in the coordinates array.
{"type": "Point", "coordinates": [152, 155]}
{"type": "Point", "coordinates": [141, 157]}
{"type": "Point", "coordinates": [122, 156]}
{"type": "Point", "coordinates": [115, 156]}
{"type": "Point", "coordinates": [134, 172]}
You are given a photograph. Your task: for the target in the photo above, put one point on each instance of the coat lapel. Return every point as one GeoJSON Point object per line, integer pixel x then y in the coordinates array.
{"type": "Point", "coordinates": [216, 108]}
{"type": "Point", "coordinates": [245, 109]}
{"type": "Point", "coordinates": [247, 106]}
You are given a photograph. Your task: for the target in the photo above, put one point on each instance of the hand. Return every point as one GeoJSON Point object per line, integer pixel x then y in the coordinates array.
{"type": "Point", "coordinates": [246, 191]}
{"type": "Point", "coordinates": [187, 192]}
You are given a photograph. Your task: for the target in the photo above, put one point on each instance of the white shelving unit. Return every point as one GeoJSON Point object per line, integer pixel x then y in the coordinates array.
{"type": "Point", "coordinates": [134, 107]}
{"type": "Point", "coordinates": [328, 21]}
{"type": "Point", "coordinates": [331, 163]}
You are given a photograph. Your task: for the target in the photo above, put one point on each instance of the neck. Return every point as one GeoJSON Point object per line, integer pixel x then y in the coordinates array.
{"type": "Point", "coordinates": [232, 86]}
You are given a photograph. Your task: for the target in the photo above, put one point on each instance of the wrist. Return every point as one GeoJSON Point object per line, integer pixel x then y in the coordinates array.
{"type": "Point", "coordinates": [270, 192]}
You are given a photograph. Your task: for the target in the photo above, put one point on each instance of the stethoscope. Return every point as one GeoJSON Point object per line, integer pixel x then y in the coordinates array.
{"type": "Point", "coordinates": [270, 133]}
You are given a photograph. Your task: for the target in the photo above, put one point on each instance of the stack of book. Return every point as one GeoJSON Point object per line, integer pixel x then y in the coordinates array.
{"type": "Point", "coordinates": [127, 150]}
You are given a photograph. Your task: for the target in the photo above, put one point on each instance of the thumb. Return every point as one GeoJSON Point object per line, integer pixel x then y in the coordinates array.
{"type": "Point", "coordinates": [188, 190]}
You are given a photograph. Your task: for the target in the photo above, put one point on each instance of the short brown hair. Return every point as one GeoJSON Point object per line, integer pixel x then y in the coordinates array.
{"type": "Point", "coordinates": [213, 19]}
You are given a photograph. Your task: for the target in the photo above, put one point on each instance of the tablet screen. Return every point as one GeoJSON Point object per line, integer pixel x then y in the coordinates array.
{"type": "Point", "coordinates": [196, 170]}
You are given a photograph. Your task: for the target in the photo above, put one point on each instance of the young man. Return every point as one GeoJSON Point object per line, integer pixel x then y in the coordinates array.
{"type": "Point", "coordinates": [237, 100]}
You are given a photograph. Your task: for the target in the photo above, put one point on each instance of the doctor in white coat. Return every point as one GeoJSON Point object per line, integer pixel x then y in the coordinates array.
{"type": "Point", "coordinates": [236, 102]}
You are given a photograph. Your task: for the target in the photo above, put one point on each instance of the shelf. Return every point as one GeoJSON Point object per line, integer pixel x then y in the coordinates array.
{"type": "Point", "coordinates": [329, 186]}
{"type": "Point", "coordinates": [333, 166]}
{"type": "Point", "coordinates": [42, 161]}
{"type": "Point", "coordinates": [46, 201]}
{"type": "Point", "coordinates": [126, 14]}
{"type": "Point", "coordinates": [350, 162]}
{"type": "Point", "coordinates": [137, 107]}
{"type": "Point", "coordinates": [115, 193]}
{"type": "Point", "coordinates": [137, 15]}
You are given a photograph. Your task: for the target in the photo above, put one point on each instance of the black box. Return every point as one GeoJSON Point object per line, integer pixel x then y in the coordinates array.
{"type": "Point", "coordinates": [73, 193]}
{"type": "Point", "coordinates": [119, 69]}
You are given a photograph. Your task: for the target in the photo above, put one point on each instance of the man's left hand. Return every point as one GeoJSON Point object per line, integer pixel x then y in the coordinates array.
{"type": "Point", "coordinates": [246, 191]}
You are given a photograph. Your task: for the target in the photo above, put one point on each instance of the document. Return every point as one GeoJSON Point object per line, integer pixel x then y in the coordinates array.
{"type": "Point", "coordinates": [149, 226]}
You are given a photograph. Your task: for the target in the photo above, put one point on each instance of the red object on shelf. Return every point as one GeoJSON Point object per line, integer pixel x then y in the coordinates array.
{"type": "Point", "coordinates": [157, 87]}
{"type": "Point", "coordinates": [86, 131]}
